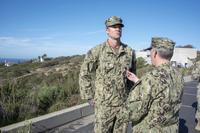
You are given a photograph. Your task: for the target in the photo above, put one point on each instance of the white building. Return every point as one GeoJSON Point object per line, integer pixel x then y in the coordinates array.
{"type": "Point", "coordinates": [6, 64]}
{"type": "Point", "coordinates": [181, 57]}
{"type": "Point", "coordinates": [145, 55]}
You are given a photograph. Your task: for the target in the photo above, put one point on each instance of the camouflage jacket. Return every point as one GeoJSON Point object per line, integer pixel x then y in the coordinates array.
{"type": "Point", "coordinates": [196, 71]}
{"type": "Point", "coordinates": [154, 104]}
{"type": "Point", "coordinates": [102, 74]}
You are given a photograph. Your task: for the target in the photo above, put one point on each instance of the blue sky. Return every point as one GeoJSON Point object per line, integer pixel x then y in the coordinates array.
{"type": "Point", "coordinates": [29, 28]}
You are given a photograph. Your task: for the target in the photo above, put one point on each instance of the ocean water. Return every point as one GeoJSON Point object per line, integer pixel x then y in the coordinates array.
{"type": "Point", "coordinates": [14, 60]}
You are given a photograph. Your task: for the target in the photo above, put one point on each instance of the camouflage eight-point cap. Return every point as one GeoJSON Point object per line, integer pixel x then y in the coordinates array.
{"type": "Point", "coordinates": [114, 20]}
{"type": "Point", "coordinates": [162, 43]}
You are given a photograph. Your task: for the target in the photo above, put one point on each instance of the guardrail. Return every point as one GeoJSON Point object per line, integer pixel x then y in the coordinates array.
{"type": "Point", "coordinates": [50, 121]}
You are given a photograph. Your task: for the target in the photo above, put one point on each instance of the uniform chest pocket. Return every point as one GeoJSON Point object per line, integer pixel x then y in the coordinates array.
{"type": "Point", "coordinates": [107, 65]}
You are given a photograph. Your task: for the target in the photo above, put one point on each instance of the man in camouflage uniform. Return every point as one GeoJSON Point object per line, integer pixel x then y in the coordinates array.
{"type": "Point", "coordinates": [196, 76]}
{"type": "Point", "coordinates": [102, 76]}
{"type": "Point", "coordinates": [154, 102]}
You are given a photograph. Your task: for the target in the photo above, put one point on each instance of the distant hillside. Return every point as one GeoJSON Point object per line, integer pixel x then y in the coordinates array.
{"type": "Point", "coordinates": [31, 89]}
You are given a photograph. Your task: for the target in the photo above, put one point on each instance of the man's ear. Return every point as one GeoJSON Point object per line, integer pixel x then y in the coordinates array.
{"type": "Point", "coordinates": [155, 53]}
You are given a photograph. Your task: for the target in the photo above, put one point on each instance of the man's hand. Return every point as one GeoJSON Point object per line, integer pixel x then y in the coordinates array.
{"type": "Point", "coordinates": [131, 76]}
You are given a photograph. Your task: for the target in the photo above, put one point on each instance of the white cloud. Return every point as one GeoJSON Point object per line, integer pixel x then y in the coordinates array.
{"type": "Point", "coordinates": [12, 41]}
{"type": "Point", "coordinates": [32, 47]}
{"type": "Point", "coordinates": [56, 44]}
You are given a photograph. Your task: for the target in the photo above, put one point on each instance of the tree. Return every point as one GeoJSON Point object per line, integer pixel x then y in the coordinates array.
{"type": "Point", "coordinates": [44, 56]}
{"type": "Point", "coordinates": [141, 62]}
{"type": "Point", "coordinates": [185, 46]}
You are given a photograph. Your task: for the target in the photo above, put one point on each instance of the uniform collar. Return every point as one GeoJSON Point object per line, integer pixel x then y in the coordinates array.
{"type": "Point", "coordinates": [110, 50]}
{"type": "Point", "coordinates": [164, 65]}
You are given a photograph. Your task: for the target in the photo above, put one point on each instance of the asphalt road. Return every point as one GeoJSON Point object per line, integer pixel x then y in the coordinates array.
{"type": "Point", "coordinates": [187, 115]}
{"type": "Point", "coordinates": [187, 120]}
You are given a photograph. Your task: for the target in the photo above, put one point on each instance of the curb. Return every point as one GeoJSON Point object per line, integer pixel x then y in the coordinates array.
{"type": "Point", "coordinates": [51, 120]}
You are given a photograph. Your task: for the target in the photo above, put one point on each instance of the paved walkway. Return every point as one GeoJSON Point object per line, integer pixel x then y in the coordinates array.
{"type": "Point", "coordinates": [188, 108]}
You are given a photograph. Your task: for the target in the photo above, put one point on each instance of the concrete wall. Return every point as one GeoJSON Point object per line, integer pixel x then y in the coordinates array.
{"type": "Point", "coordinates": [50, 121]}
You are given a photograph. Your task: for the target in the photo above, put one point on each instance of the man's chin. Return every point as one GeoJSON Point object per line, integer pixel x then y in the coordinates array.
{"type": "Point", "coordinates": [118, 36]}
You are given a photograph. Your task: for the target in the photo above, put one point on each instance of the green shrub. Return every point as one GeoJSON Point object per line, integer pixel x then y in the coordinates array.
{"type": "Point", "coordinates": [27, 93]}
{"type": "Point", "coordinates": [57, 106]}
{"type": "Point", "coordinates": [140, 63]}
{"type": "Point", "coordinates": [49, 95]}
{"type": "Point", "coordinates": [186, 71]}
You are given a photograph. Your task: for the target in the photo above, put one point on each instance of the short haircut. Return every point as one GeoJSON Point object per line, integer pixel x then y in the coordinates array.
{"type": "Point", "coordinates": [165, 54]}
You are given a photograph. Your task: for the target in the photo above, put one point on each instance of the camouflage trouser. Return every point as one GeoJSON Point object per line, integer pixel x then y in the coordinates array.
{"type": "Point", "coordinates": [105, 118]}
{"type": "Point", "coordinates": [198, 102]}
